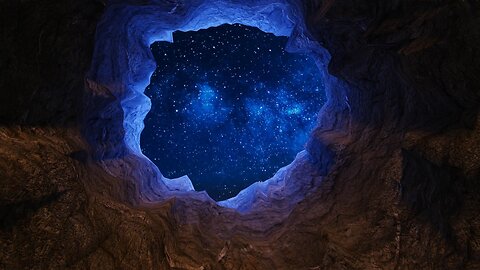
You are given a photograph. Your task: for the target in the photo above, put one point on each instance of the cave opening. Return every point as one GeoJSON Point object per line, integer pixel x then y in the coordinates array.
{"type": "Point", "coordinates": [121, 71]}
{"type": "Point", "coordinates": [230, 107]}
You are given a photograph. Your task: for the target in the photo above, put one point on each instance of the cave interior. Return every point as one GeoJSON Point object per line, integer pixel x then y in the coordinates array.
{"type": "Point", "coordinates": [388, 178]}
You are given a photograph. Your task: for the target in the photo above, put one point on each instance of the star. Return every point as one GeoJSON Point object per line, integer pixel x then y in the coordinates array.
{"type": "Point", "coordinates": [229, 107]}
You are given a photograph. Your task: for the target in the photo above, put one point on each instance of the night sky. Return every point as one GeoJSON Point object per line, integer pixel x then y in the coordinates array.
{"type": "Point", "coordinates": [229, 107]}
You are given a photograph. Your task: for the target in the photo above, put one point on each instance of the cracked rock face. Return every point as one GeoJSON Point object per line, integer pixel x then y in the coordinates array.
{"type": "Point", "coordinates": [389, 178]}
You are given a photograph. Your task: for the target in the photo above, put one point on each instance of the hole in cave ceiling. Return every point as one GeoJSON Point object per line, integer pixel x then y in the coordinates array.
{"type": "Point", "coordinates": [229, 107]}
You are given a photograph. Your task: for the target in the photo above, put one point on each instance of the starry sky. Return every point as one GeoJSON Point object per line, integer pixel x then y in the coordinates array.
{"type": "Point", "coordinates": [229, 107]}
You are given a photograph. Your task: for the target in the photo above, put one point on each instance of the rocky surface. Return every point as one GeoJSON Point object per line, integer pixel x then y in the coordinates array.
{"type": "Point", "coordinates": [392, 175]}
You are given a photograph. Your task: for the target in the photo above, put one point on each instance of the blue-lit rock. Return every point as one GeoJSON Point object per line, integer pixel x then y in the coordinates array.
{"type": "Point", "coordinates": [123, 64]}
{"type": "Point", "coordinates": [402, 191]}
{"type": "Point", "coordinates": [292, 182]}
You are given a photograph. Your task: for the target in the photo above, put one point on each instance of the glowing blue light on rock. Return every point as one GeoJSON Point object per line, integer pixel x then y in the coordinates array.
{"type": "Point", "coordinates": [121, 68]}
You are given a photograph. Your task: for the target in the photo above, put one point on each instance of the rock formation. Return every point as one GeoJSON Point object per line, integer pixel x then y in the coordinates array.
{"type": "Point", "coordinates": [388, 180]}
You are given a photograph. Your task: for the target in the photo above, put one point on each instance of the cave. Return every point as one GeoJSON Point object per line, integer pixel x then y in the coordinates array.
{"type": "Point", "coordinates": [131, 69]}
{"type": "Point", "coordinates": [389, 178]}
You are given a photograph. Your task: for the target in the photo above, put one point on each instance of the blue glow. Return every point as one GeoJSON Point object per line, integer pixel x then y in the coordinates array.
{"type": "Point", "coordinates": [229, 107]}
{"type": "Point", "coordinates": [207, 106]}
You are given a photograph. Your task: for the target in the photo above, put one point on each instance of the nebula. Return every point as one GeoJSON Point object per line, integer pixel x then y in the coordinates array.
{"type": "Point", "coordinates": [229, 107]}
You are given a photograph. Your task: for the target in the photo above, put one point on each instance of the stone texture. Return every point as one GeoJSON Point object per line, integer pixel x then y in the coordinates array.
{"type": "Point", "coordinates": [397, 189]}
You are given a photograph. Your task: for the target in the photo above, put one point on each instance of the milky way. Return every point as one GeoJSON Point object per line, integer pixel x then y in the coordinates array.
{"type": "Point", "coordinates": [229, 107]}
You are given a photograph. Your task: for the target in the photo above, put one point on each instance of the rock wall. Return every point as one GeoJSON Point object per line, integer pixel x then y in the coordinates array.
{"type": "Point", "coordinates": [395, 154]}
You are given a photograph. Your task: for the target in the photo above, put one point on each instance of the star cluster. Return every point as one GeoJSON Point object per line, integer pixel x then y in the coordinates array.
{"type": "Point", "coordinates": [229, 107]}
